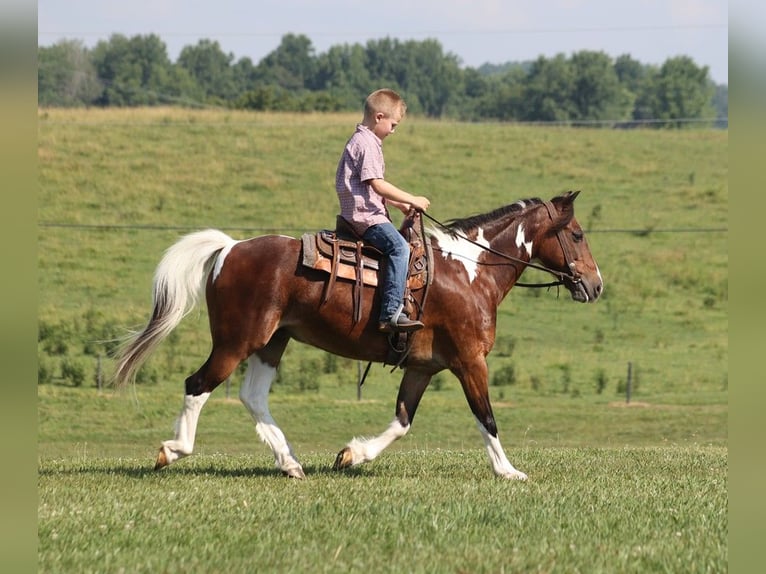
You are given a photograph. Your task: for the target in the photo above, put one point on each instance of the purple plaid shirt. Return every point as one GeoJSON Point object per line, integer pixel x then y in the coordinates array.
{"type": "Point", "coordinates": [362, 160]}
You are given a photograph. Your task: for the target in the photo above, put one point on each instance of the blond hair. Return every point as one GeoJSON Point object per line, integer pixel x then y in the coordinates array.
{"type": "Point", "coordinates": [384, 101]}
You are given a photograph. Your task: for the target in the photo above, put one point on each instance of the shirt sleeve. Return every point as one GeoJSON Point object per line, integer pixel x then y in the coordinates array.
{"type": "Point", "coordinates": [370, 162]}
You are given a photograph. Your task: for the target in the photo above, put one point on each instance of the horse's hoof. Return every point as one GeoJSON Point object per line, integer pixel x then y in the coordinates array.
{"type": "Point", "coordinates": [516, 475]}
{"type": "Point", "coordinates": [296, 472]}
{"type": "Point", "coordinates": [343, 460]}
{"type": "Point", "coordinates": [162, 460]}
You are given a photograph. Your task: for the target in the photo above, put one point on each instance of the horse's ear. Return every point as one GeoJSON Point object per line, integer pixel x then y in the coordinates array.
{"type": "Point", "coordinates": [570, 196]}
{"type": "Point", "coordinates": [565, 203]}
{"type": "Point", "coordinates": [567, 199]}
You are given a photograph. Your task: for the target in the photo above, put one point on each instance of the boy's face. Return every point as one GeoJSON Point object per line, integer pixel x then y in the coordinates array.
{"type": "Point", "coordinates": [386, 124]}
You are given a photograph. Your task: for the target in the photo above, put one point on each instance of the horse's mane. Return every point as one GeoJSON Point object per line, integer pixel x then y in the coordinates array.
{"type": "Point", "coordinates": [473, 221]}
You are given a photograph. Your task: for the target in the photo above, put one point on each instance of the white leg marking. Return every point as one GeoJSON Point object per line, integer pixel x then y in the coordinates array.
{"type": "Point", "coordinates": [254, 394]}
{"type": "Point", "coordinates": [364, 450]}
{"type": "Point", "coordinates": [186, 428]}
{"type": "Point", "coordinates": [500, 463]}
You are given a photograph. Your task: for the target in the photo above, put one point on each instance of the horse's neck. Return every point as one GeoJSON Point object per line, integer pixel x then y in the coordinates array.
{"type": "Point", "coordinates": [512, 238]}
{"type": "Point", "coordinates": [491, 254]}
{"type": "Point", "coordinates": [512, 242]}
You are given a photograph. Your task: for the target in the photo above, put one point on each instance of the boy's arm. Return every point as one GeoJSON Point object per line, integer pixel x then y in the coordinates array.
{"type": "Point", "coordinates": [398, 197]}
{"type": "Point", "coordinates": [403, 207]}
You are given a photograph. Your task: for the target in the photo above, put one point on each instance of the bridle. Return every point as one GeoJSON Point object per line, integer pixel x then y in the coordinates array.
{"type": "Point", "coordinates": [572, 276]}
{"type": "Point", "coordinates": [569, 258]}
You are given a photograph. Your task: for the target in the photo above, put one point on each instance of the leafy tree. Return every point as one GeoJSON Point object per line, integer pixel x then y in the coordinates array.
{"type": "Point", "coordinates": [503, 98]}
{"type": "Point", "coordinates": [211, 69]}
{"type": "Point", "coordinates": [547, 91]}
{"type": "Point", "coordinates": [431, 76]}
{"type": "Point", "coordinates": [243, 75]}
{"type": "Point", "coordinates": [646, 96]}
{"type": "Point", "coordinates": [630, 73]}
{"type": "Point", "coordinates": [135, 71]}
{"type": "Point", "coordinates": [596, 91]}
{"type": "Point", "coordinates": [342, 71]}
{"type": "Point", "coordinates": [682, 90]}
{"type": "Point", "coordinates": [290, 66]}
{"type": "Point", "coordinates": [65, 75]}
{"type": "Point", "coordinates": [383, 58]}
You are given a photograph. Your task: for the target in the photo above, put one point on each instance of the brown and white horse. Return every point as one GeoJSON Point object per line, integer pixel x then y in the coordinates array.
{"type": "Point", "coordinates": [259, 296]}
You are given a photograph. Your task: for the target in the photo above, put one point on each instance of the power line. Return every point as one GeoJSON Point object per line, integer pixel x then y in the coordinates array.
{"type": "Point", "coordinates": [151, 227]}
{"type": "Point", "coordinates": [448, 32]}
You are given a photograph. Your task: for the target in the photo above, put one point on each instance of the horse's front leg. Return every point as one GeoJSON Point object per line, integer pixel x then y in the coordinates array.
{"type": "Point", "coordinates": [474, 380]}
{"type": "Point", "coordinates": [411, 390]}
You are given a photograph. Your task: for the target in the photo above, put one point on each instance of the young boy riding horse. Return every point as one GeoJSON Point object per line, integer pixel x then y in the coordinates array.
{"type": "Point", "coordinates": [364, 195]}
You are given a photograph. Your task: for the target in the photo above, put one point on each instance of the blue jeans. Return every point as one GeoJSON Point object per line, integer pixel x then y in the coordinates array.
{"type": "Point", "coordinates": [394, 246]}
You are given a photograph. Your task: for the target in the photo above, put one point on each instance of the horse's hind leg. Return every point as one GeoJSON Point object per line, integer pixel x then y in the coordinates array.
{"type": "Point", "coordinates": [254, 394]}
{"type": "Point", "coordinates": [216, 369]}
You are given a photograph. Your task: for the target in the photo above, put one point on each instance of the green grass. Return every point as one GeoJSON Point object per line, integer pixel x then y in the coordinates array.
{"type": "Point", "coordinates": [588, 510]}
{"type": "Point", "coordinates": [613, 487]}
{"type": "Point", "coordinates": [639, 488]}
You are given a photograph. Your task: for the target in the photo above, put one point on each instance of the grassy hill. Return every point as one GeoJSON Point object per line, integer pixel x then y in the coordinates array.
{"type": "Point", "coordinates": [117, 187]}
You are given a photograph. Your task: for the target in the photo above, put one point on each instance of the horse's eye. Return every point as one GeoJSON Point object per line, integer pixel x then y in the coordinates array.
{"type": "Point", "coordinates": [577, 236]}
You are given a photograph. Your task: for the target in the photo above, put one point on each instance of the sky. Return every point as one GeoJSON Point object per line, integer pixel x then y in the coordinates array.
{"type": "Point", "coordinates": [476, 31]}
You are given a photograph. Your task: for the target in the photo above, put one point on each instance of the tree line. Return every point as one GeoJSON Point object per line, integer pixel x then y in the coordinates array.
{"type": "Point", "coordinates": [586, 87]}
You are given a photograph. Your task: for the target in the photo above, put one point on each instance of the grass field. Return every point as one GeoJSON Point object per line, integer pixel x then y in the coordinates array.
{"type": "Point", "coordinates": [613, 487]}
{"type": "Point", "coordinates": [588, 510]}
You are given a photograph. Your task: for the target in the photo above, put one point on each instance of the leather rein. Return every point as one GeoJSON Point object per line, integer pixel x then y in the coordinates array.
{"type": "Point", "coordinates": [573, 276]}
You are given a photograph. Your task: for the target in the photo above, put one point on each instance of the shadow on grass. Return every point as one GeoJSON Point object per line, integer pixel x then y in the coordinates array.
{"type": "Point", "coordinates": [201, 469]}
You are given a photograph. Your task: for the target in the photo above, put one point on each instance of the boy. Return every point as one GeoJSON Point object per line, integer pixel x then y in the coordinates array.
{"type": "Point", "coordinates": [364, 194]}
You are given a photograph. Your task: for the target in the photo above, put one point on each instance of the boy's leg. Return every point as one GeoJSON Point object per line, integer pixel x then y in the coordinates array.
{"type": "Point", "coordinates": [390, 242]}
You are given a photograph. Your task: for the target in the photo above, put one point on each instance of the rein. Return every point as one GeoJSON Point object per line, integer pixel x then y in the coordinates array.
{"type": "Point", "coordinates": [559, 274]}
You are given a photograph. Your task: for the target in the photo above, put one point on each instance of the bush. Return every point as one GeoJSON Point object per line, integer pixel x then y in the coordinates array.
{"type": "Point", "coordinates": [147, 375]}
{"type": "Point", "coordinates": [55, 338]}
{"type": "Point", "coordinates": [505, 376]}
{"type": "Point", "coordinates": [330, 363]}
{"type": "Point", "coordinates": [600, 381]}
{"type": "Point", "coordinates": [45, 369]}
{"type": "Point", "coordinates": [307, 376]}
{"type": "Point", "coordinates": [504, 346]}
{"type": "Point", "coordinates": [74, 371]}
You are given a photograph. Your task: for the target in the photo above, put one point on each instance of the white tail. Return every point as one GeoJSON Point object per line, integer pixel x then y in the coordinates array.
{"type": "Point", "coordinates": [178, 284]}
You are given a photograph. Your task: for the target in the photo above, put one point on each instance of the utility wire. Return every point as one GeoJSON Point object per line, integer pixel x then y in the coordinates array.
{"type": "Point", "coordinates": [264, 230]}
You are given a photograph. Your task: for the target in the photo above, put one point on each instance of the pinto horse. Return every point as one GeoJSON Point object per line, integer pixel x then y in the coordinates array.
{"type": "Point", "coordinates": [259, 296]}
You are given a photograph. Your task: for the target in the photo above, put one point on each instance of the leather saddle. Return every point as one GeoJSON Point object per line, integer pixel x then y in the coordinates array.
{"type": "Point", "coordinates": [342, 254]}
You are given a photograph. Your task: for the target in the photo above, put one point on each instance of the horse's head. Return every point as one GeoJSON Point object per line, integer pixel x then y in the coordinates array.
{"type": "Point", "coordinates": [565, 249]}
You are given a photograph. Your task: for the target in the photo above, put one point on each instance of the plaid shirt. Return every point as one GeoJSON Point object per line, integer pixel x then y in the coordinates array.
{"type": "Point", "coordinates": [362, 160]}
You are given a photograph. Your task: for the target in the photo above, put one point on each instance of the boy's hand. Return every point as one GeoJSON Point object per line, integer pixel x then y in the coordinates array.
{"type": "Point", "coordinates": [420, 203]}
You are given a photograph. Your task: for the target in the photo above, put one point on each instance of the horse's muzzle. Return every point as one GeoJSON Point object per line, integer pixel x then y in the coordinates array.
{"type": "Point", "coordinates": [583, 290]}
